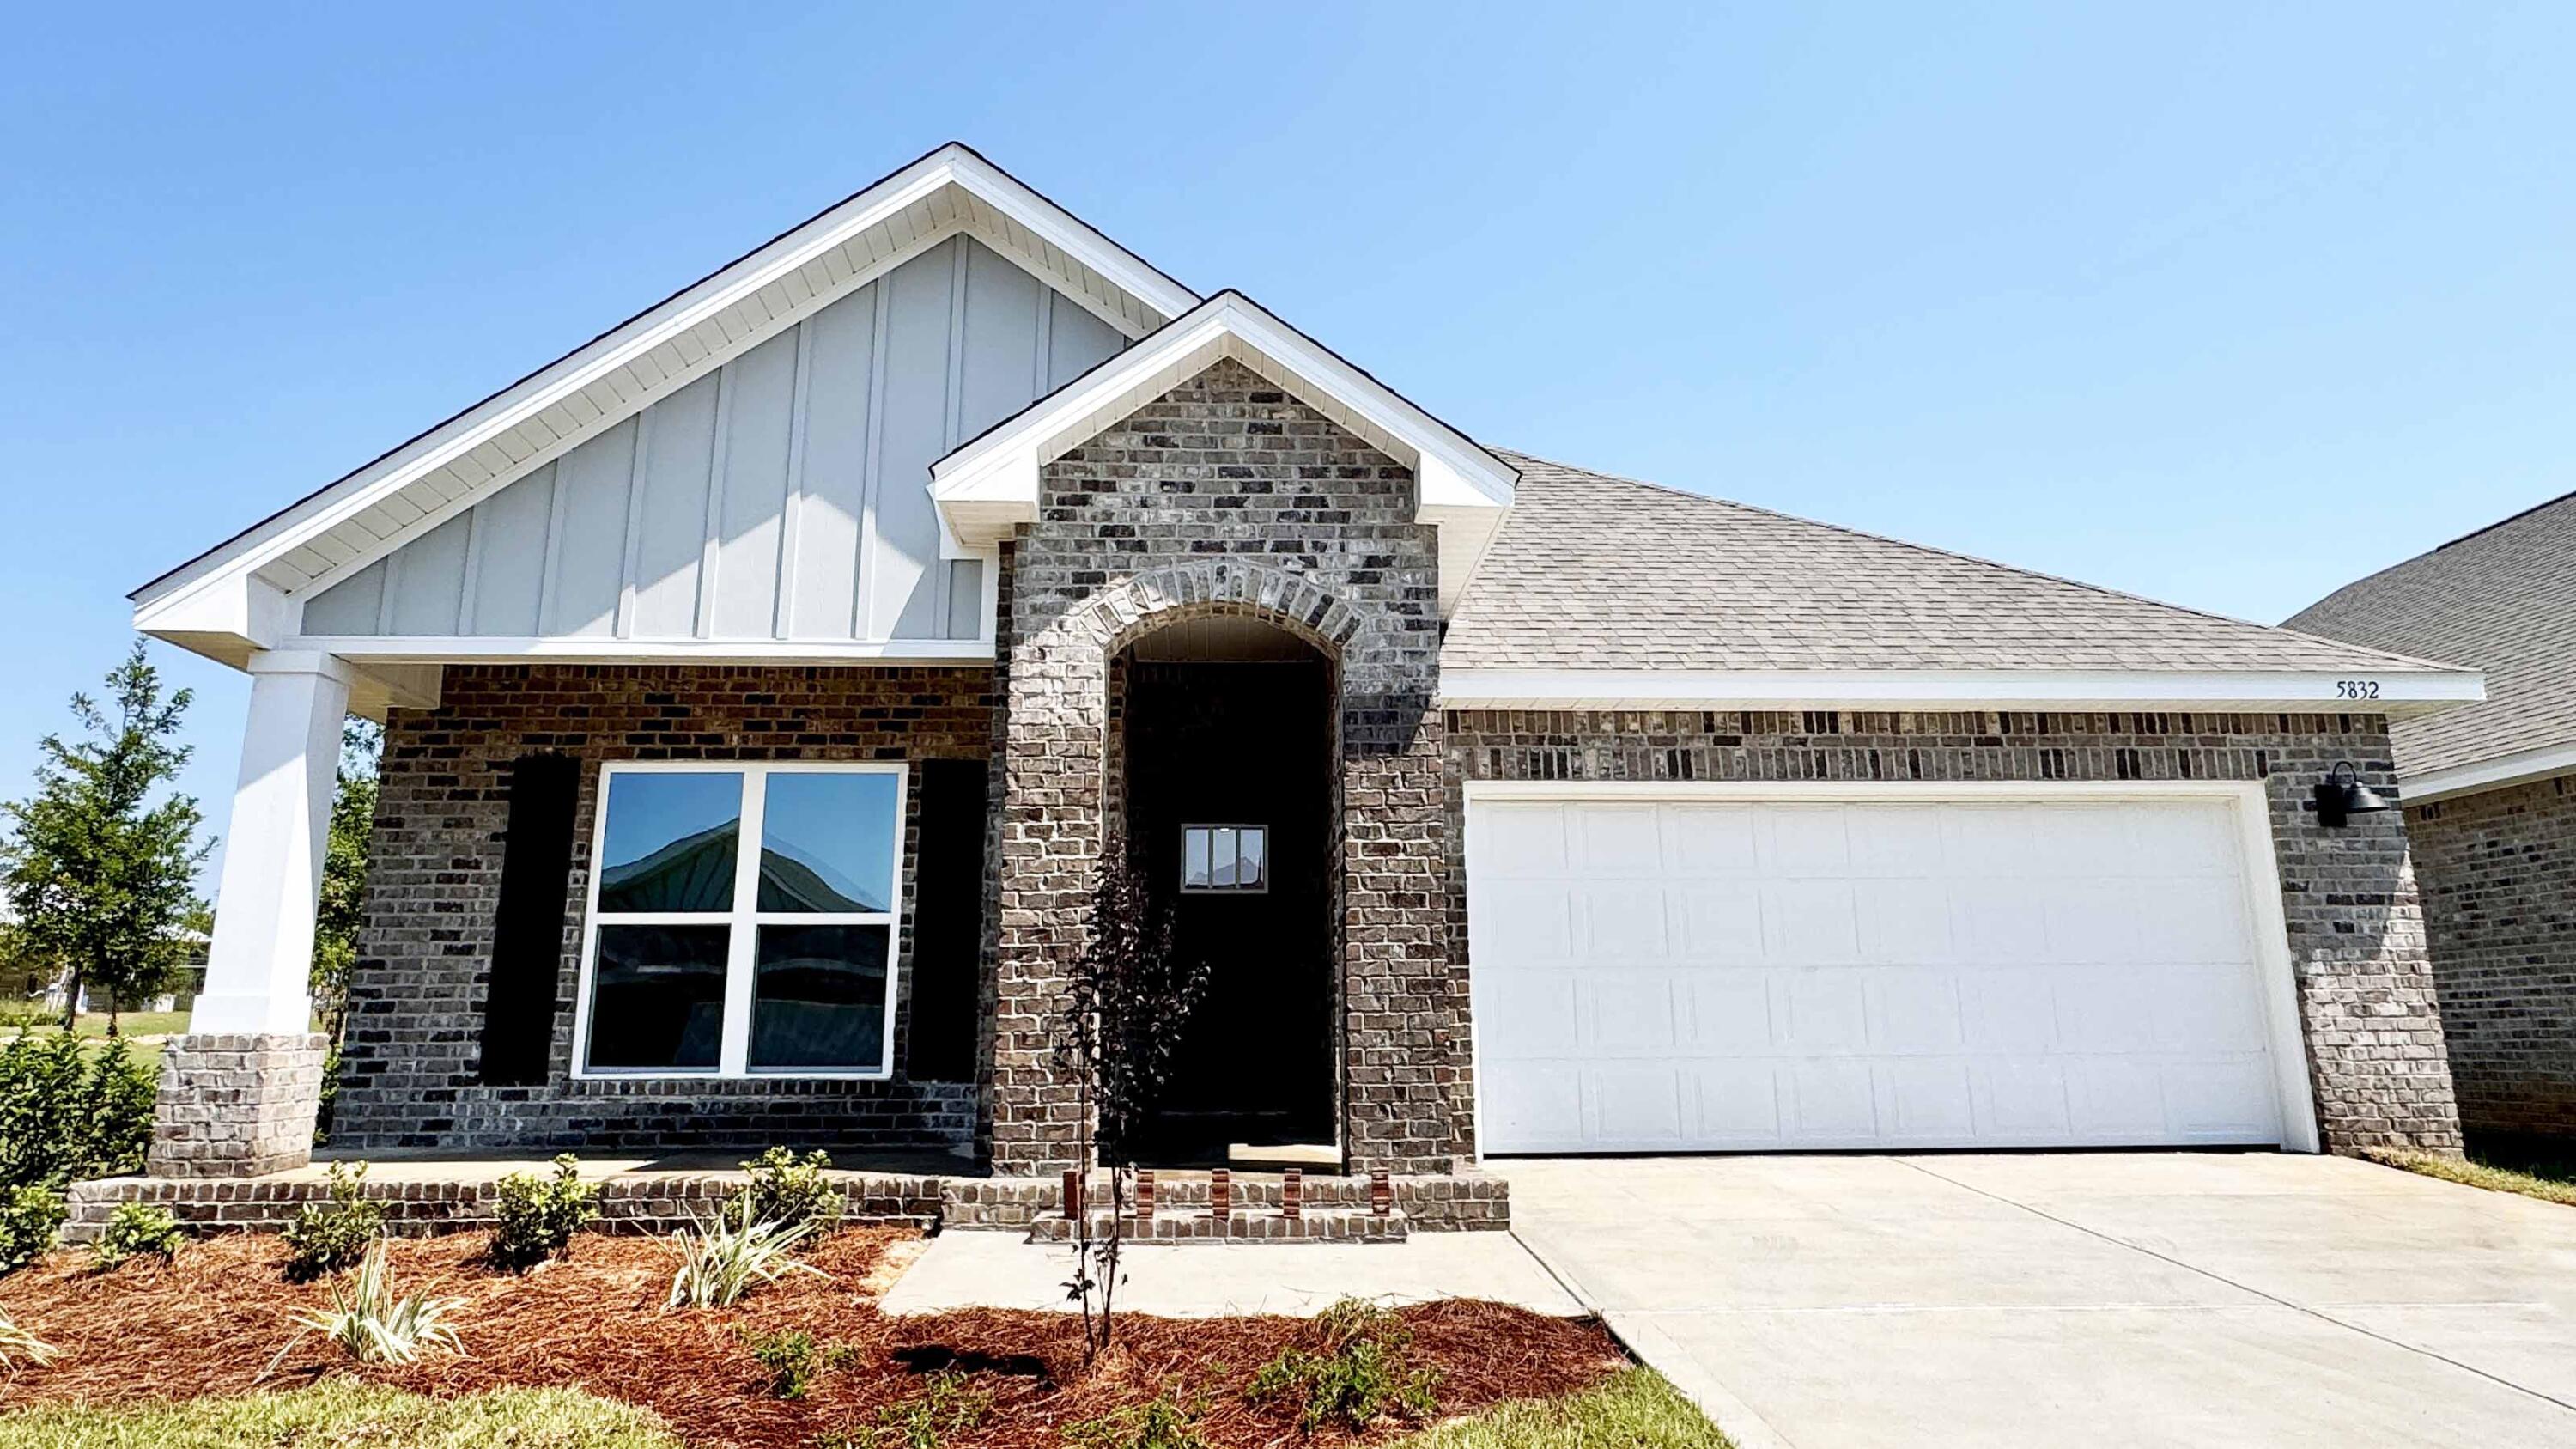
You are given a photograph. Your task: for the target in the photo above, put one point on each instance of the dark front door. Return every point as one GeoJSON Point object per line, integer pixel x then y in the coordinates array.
{"type": "Point", "coordinates": [1229, 798]}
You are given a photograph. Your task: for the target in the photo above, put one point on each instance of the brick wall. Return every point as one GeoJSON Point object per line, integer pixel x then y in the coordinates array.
{"type": "Point", "coordinates": [408, 1076]}
{"type": "Point", "coordinates": [2498, 871]}
{"type": "Point", "coordinates": [2356, 929]}
{"type": "Point", "coordinates": [1227, 496]}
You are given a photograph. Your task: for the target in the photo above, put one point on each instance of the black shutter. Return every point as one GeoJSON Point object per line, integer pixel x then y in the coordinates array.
{"type": "Point", "coordinates": [947, 921]}
{"type": "Point", "coordinates": [528, 925]}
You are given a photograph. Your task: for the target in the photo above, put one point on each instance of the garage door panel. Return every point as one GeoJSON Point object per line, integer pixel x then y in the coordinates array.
{"type": "Point", "coordinates": [1913, 1011]}
{"type": "Point", "coordinates": [1616, 840]}
{"type": "Point", "coordinates": [1925, 1102]}
{"type": "Point", "coordinates": [1811, 922]}
{"type": "Point", "coordinates": [1835, 1102]}
{"type": "Point", "coordinates": [1906, 922]}
{"type": "Point", "coordinates": [1738, 1103]}
{"type": "Point", "coordinates": [1809, 841]}
{"type": "Point", "coordinates": [1623, 921]}
{"type": "Point", "coordinates": [1728, 1011]}
{"type": "Point", "coordinates": [1521, 841]}
{"type": "Point", "coordinates": [1828, 1012]}
{"type": "Point", "coordinates": [2008, 1010]}
{"type": "Point", "coordinates": [1629, 1014]}
{"type": "Point", "coordinates": [1721, 923]}
{"type": "Point", "coordinates": [1713, 842]}
{"type": "Point", "coordinates": [1854, 974]}
{"type": "Point", "coordinates": [1637, 1106]}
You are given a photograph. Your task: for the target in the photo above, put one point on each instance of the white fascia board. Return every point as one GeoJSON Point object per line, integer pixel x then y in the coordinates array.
{"type": "Point", "coordinates": [166, 606]}
{"type": "Point", "coordinates": [2520, 768]}
{"type": "Point", "coordinates": [2397, 693]}
{"type": "Point", "coordinates": [991, 483]}
{"type": "Point", "coordinates": [443, 649]}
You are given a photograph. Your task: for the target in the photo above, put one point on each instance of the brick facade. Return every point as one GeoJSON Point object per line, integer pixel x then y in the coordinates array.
{"type": "Point", "coordinates": [2356, 926]}
{"type": "Point", "coordinates": [409, 1067]}
{"type": "Point", "coordinates": [1227, 496]}
{"type": "Point", "coordinates": [2498, 870]}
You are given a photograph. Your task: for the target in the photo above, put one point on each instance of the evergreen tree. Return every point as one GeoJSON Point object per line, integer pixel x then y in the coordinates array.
{"type": "Point", "coordinates": [101, 875]}
{"type": "Point", "coordinates": [344, 872]}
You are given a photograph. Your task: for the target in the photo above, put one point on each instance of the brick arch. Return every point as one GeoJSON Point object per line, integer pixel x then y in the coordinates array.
{"type": "Point", "coordinates": [1141, 603]}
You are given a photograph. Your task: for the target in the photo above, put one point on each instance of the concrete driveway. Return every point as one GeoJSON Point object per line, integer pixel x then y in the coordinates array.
{"type": "Point", "coordinates": [2113, 1299]}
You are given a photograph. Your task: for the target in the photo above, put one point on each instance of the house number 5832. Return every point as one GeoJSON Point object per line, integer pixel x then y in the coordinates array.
{"type": "Point", "coordinates": [2356, 689]}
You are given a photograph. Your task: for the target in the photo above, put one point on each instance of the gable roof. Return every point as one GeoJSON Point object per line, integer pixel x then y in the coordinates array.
{"type": "Point", "coordinates": [989, 484]}
{"type": "Point", "coordinates": [229, 599]}
{"type": "Point", "coordinates": [1596, 575]}
{"type": "Point", "coordinates": [2502, 598]}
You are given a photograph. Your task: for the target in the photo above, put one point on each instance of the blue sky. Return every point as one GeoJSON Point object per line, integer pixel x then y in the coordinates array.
{"type": "Point", "coordinates": [2219, 304]}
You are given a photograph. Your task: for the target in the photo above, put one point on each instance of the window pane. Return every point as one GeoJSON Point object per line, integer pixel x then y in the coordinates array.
{"type": "Point", "coordinates": [827, 841]}
{"type": "Point", "coordinates": [657, 997]}
{"type": "Point", "coordinates": [1255, 846]}
{"type": "Point", "coordinates": [1194, 858]}
{"type": "Point", "coordinates": [819, 998]}
{"type": "Point", "coordinates": [1221, 857]}
{"type": "Point", "coordinates": [670, 842]}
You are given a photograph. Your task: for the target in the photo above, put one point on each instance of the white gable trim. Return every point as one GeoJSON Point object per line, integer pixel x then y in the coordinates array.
{"type": "Point", "coordinates": [2520, 768]}
{"type": "Point", "coordinates": [244, 594]}
{"type": "Point", "coordinates": [990, 485]}
{"type": "Point", "coordinates": [2396, 693]}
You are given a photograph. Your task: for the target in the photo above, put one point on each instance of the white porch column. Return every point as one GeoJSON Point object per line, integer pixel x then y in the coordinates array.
{"type": "Point", "coordinates": [240, 1091]}
{"type": "Point", "coordinates": [259, 965]}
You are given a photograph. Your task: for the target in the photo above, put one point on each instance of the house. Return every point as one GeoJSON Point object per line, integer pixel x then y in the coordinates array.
{"type": "Point", "coordinates": [764, 680]}
{"type": "Point", "coordinates": [2490, 800]}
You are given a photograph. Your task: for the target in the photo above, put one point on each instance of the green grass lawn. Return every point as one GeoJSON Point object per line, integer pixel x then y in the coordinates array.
{"type": "Point", "coordinates": [131, 1028]}
{"type": "Point", "coordinates": [2547, 1181]}
{"type": "Point", "coordinates": [1635, 1409]}
{"type": "Point", "coordinates": [342, 1413]}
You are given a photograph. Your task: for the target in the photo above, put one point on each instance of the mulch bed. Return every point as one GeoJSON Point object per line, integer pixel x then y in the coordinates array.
{"type": "Point", "coordinates": [213, 1322]}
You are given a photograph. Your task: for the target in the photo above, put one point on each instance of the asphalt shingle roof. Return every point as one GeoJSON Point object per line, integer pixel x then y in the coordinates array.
{"type": "Point", "coordinates": [2503, 600]}
{"type": "Point", "coordinates": [1596, 572]}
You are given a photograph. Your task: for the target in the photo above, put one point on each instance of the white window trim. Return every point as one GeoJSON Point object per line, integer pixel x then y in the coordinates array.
{"type": "Point", "coordinates": [742, 923]}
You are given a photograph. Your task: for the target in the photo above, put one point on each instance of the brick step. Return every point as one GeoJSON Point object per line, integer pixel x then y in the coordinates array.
{"type": "Point", "coordinates": [1326, 1225]}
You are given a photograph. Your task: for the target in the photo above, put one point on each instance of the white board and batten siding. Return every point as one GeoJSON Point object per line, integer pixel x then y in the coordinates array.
{"type": "Point", "coordinates": [1695, 973]}
{"type": "Point", "coordinates": [783, 497]}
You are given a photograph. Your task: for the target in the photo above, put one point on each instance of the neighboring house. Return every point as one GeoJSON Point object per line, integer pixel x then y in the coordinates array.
{"type": "Point", "coordinates": [763, 680]}
{"type": "Point", "coordinates": [2490, 797]}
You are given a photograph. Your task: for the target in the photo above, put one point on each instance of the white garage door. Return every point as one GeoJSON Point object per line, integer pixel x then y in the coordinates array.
{"type": "Point", "coordinates": [1670, 974]}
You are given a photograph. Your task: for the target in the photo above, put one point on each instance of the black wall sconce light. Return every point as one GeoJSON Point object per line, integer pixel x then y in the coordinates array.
{"type": "Point", "coordinates": [2341, 795]}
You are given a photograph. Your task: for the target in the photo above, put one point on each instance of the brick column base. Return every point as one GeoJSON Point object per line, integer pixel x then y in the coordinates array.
{"type": "Point", "coordinates": [236, 1106]}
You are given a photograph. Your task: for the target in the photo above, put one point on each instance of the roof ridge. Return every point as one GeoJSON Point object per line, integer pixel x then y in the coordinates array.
{"type": "Point", "coordinates": [1957, 556]}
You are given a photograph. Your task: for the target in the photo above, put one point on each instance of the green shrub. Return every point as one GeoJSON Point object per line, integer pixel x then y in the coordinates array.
{"type": "Point", "coordinates": [722, 1260]}
{"type": "Point", "coordinates": [1351, 1371]}
{"type": "Point", "coordinates": [786, 1190]}
{"type": "Point", "coordinates": [1163, 1424]}
{"type": "Point", "coordinates": [374, 1324]}
{"type": "Point", "coordinates": [794, 1359]}
{"type": "Point", "coordinates": [70, 1112]}
{"type": "Point", "coordinates": [136, 1229]}
{"type": "Point", "coordinates": [948, 1404]}
{"type": "Point", "coordinates": [30, 1220]}
{"type": "Point", "coordinates": [538, 1216]}
{"type": "Point", "coordinates": [327, 1237]}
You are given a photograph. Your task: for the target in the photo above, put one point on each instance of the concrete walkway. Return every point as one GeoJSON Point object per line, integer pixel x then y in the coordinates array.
{"type": "Point", "coordinates": [2117, 1299]}
{"type": "Point", "coordinates": [1215, 1280]}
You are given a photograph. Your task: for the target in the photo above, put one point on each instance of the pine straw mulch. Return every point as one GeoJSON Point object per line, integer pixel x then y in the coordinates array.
{"type": "Point", "coordinates": [213, 1322]}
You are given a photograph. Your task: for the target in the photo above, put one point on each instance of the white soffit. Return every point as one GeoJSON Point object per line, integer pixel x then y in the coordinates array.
{"type": "Point", "coordinates": [990, 485]}
{"type": "Point", "coordinates": [2397, 694]}
{"type": "Point", "coordinates": [240, 595]}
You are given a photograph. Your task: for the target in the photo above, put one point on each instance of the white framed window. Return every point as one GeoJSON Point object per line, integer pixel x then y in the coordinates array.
{"type": "Point", "coordinates": [701, 958]}
{"type": "Point", "coordinates": [1225, 858]}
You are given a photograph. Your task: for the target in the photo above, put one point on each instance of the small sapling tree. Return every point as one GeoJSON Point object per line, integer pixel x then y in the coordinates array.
{"type": "Point", "coordinates": [1129, 997]}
